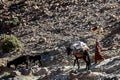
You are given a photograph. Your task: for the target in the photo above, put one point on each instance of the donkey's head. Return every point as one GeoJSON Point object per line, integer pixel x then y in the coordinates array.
{"type": "Point", "coordinates": [9, 64]}
{"type": "Point", "coordinates": [68, 50]}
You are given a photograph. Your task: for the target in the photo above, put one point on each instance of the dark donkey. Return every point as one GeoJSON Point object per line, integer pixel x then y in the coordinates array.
{"type": "Point", "coordinates": [19, 60]}
{"type": "Point", "coordinates": [34, 58]}
{"type": "Point", "coordinates": [78, 55]}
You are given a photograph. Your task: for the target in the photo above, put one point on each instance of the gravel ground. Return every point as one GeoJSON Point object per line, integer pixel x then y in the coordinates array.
{"type": "Point", "coordinates": [53, 24]}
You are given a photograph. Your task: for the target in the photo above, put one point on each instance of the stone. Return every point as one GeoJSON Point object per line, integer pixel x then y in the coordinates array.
{"type": "Point", "coordinates": [26, 72]}
{"type": "Point", "coordinates": [15, 73]}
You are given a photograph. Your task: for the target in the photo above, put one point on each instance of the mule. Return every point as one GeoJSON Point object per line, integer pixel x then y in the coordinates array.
{"type": "Point", "coordinates": [80, 55]}
{"type": "Point", "coordinates": [19, 60]}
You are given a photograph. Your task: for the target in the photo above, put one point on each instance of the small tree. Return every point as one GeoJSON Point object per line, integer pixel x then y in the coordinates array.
{"type": "Point", "coordinates": [9, 43]}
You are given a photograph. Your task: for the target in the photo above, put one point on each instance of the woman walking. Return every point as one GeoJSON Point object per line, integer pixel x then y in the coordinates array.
{"type": "Point", "coordinates": [98, 57]}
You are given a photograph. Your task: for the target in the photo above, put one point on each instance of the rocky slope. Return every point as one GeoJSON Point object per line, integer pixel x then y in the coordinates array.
{"type": "Point", "coordinates": [51, 25]}
{"type": "Point", "coordinates": [106, 70]}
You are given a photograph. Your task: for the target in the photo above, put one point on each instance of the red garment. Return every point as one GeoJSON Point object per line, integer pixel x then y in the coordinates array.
{"type": "Point", "coordinates": [98, 56]}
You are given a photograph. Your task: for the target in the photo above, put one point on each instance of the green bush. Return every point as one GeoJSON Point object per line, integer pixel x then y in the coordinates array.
{"type": "Point", "coordinates": [9, 43]}
{"type": "Point", "coordinates": [15, 21]}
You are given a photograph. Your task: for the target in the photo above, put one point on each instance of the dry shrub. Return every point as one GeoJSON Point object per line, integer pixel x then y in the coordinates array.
{"type": "Point", "coordinates": [9, 43]}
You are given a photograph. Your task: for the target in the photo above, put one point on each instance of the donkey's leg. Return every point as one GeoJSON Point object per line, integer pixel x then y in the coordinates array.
{"type": "Point", "coordinates": [27, 64]}
{"type": "Point", "coordinates": [74, 62]}
{"type": "Point", "coordinates": [84, 58]}
{"type": "Point", "coordinates": [34, 62]}
{"type": "Point", "coordinates": [87, 59]}
{"type": "Point", "coordinates": [78, 63]}
{"type": "Point", "coordinates": [15, 65]}
{"type": "Point", "coordinates": [88, 63]}
{"type": "Point", "coordinates": [40, 63]}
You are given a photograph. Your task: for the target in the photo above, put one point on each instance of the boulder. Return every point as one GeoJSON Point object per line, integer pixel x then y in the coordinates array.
{"type": "Point", "coordinates": [15, 73]}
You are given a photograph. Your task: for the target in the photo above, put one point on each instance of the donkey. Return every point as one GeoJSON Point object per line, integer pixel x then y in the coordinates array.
{"type": "Point", "coordinates": [78, 55]}
{"type": "Point", "coordinates": [19, 60]}
{"type": "Point", "coordinates": [35, 58]}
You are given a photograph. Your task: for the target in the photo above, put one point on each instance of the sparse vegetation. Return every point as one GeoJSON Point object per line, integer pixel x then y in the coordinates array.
{"type": "Point", "coordinates": [9, 43]}
{"type": "Point", "coordinates": [15, 21]}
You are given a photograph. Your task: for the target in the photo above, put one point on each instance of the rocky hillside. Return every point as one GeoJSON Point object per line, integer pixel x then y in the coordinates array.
{"type": "Point", "coordinates": [50, 25]}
